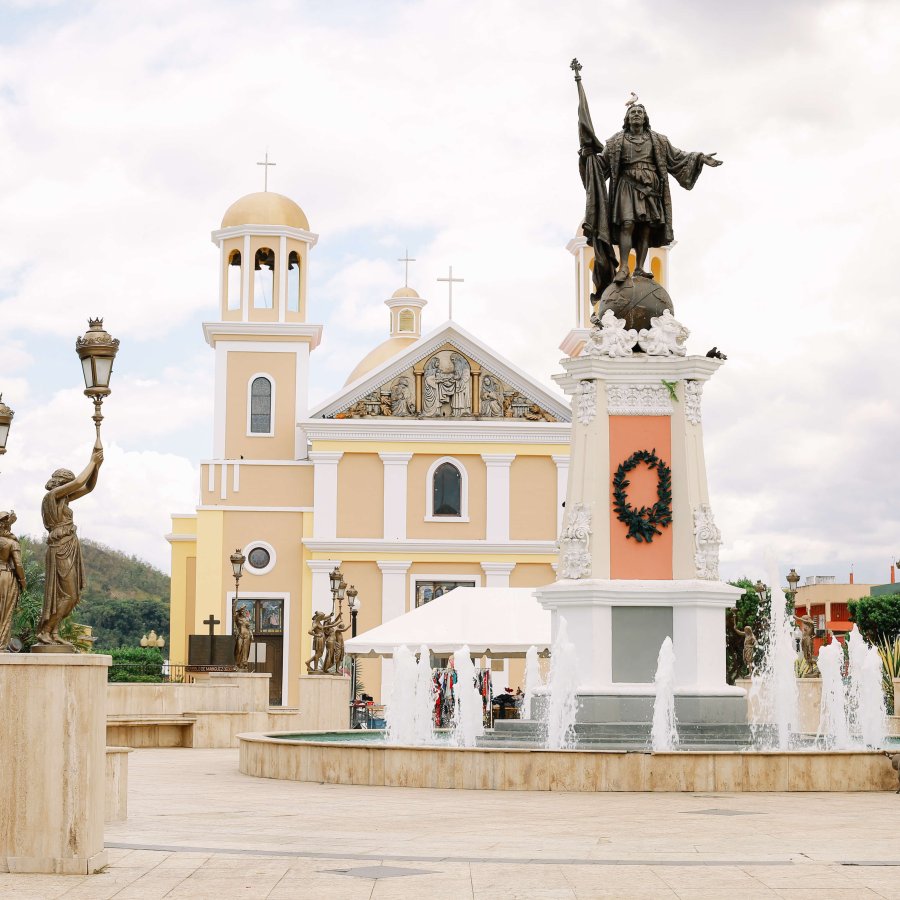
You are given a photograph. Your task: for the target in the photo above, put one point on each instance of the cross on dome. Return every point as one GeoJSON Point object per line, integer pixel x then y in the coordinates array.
{"type": "Point", "coordinates": [266, 164]}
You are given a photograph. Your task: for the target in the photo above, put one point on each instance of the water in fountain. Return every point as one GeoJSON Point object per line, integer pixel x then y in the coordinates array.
{"type": "Point", "coordinates": [562, 704]}
{"type": "Point", "coordinates": [833, 722]}
{"type": "Point", "coordinates": [400, 710]}
{"type": "Point", "coordinates": [866, 712]}
{"type": "Point", "coordinates": [468, 710]}
{"type": "Point", "coordinates": [534, 681]}
{"type": "Point", "coordinates": [664, 733]}
{"type": "Point", "coordinates": [774, 700]}
{"type": "Point", "coordinates": [423, 713]}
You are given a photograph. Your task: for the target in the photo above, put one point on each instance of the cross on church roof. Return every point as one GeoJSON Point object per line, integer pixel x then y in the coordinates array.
{"type": "Point", "coordinates": [407, 260]}
{"type": "Point", "coordinates": [266, 171]}
{"type": "Point", "coordinates": [450, 282]}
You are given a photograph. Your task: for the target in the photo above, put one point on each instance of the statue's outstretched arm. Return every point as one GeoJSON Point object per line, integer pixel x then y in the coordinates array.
{"type": "Point", "coordinates": [85, 482]}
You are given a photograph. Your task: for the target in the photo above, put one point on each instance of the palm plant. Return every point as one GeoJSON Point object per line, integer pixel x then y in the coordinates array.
{"type": "Point", "coordinates": [889, 650]}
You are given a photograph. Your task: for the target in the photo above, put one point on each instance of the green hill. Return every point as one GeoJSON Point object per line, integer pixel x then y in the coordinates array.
{"type": "Point", "coordinates": [124, 596]}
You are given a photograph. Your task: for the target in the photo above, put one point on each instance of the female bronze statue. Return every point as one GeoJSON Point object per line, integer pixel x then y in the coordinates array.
{"type": "Point", "coordinates": [243, 635]}
{"type": "Point", "coordinates": [64, 578]}
{"type": "Point", "coordinates": [12, 576]}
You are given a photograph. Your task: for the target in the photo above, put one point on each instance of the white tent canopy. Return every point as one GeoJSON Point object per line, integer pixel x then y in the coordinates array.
{"type": "Point", "coordinates": [495, 622]}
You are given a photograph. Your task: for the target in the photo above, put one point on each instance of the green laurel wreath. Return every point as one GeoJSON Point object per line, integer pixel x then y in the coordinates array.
{"type": "Point", "coordinates": [644, 523]}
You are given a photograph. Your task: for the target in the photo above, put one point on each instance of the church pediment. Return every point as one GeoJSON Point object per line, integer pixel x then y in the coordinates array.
{"type": "Point", "coordinates": [447, 375]}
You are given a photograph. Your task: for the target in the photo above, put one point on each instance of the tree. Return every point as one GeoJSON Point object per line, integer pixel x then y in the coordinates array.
{"type": "Point", "coordinates": [877, 617]}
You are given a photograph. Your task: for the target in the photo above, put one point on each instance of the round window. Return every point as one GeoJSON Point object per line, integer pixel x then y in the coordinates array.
{"type": "Point", "coordinates": [258, 557]}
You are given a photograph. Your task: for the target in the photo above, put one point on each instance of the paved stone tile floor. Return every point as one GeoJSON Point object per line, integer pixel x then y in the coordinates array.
{"type": "Point", "coordinates": [197, 828]}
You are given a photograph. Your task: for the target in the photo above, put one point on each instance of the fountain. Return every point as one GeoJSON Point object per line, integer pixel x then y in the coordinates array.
{"type": "Point", "coordinates": [562, 704]}
{"type": "Point", "coordinates": [534, 681]}
{"type": "Point", "coordinates": [833, 721]}
{"type": "Point", "coordinates": [865, 695]}
{"type": "Point", "coordinates": [774, 700]}
{"type": "Point", "coordinates": [423, 712]}
{"type": "Point", "coordinates": [468, 711]}
{"type": "Point", "coordinates": [664, 731]}
{"type": "Point", "coordinates": [400, 710]}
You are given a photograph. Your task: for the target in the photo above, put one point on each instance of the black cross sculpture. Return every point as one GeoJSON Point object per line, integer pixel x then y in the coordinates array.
{"type": "Point", "coordinates": [212, 621]}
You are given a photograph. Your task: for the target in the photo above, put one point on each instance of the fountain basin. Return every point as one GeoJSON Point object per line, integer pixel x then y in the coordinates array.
{"type": "Point", "coordinates": [354, 757]}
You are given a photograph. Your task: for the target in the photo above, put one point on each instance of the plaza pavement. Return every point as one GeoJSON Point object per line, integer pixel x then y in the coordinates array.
{"type": "Point", "coordinates": [197, 828]}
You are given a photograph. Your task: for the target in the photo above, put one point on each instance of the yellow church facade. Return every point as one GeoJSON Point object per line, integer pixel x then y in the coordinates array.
{"type": "Point", "coordinates": [438, 464]}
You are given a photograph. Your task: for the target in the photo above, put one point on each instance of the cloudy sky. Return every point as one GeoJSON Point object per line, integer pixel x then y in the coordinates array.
{"type": "Point", "coordinates": [449, 128]}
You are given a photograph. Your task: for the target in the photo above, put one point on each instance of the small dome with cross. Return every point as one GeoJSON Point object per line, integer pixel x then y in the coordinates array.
{"type": "Point", "coordinates": [265, 208]}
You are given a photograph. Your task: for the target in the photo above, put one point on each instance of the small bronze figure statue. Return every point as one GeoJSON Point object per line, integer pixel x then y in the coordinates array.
{"type": "Point", "coordinates": [334, 643]}
{"type": "Point", "coordinates": [895, 764]}
{"type": "Point", "coordinates": [636, 213]}
{"type": "Point", "coordinates": [317, 632]}
{"type": "Point", "coordinates": [749, 647]}
{"type": "Point", "coordinates": [243, 636]}
{"type": "Point", "coordinates": [12, 577]}
{"type": "Point", "coordinates": [64, 578]}
{"type": "Point", "coordinates": [808, 632]}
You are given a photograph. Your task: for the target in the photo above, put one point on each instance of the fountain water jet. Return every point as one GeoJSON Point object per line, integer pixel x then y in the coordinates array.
{"type": "Point", "coordinates": [534, 681]}
{"type": "Point", "coordinates": [774, 699]}
{"type": "Point", "coordinates": [562, 704]}
{"type": "Point", "coordinates": [423, 712]}
{"type": "Point", "coordinates": [400, 710]}
{"type": "Point", "coordinates": [468, 710]}
{"type": "Point", "coordinates": [833, 718]}
{"type": "Point", "coordinates": [664, 731]}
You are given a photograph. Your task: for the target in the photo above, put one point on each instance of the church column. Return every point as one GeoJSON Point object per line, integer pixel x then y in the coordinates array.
{"type": "Point", "coordinates": [393, 604]}
{"type": "Point", "coordinates": [476, 389]}
{"type": "Point", "coordinates": [246, 269]}
{"type": "Point", "coordinates": [496, 574]}
{"type": "Point", "coordinates": [321, 583]}
{"type": "Point", "coordinates": [497, 496]}
{"type": "Point", "coordinates": [562, 484]}
{"type": "Point", "coordinates": [325, 482]}
{"type": "Point", "coordinates": [418, 372]}
{"type": "Point", "coordinates": [395, 481]}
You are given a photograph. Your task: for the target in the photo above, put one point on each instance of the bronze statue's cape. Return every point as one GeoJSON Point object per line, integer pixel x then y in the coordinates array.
{"type": "Point", "coordinates": [683, 167]}
{"type": "Point", "coordinates": [597, 217]}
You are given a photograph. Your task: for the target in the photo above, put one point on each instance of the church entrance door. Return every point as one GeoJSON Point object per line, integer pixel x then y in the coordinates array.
{"type": "Point", "coordinates": [267, 649]}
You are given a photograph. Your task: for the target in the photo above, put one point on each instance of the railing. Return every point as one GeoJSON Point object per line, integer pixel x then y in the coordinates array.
{"type": "Point", "coordinates": [160, 673]}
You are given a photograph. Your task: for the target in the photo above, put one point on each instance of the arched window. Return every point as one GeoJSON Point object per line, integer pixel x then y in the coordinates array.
{"type": "Point", "coordinates": [263, 278]}
{"type": "Point", "coordinates": [446, 487]}
{"type": "Point", "coordinates": [293, 282]}
{"type": "Point", "coordinates": [233, 286]}
{"type": "Point", "coordinates": [406, 320]}
{"type": "Point", "coordinates": [260, 405]}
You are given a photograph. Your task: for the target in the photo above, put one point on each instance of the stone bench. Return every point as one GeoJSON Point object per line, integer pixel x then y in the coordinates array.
{"type": "Point", "coordinates": [150, 731]}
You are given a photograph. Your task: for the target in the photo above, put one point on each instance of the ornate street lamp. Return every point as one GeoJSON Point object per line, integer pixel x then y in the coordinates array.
{"type": "Point", "coordinates": [151, 640]}
{"type": "Point", "coordinates": [6, 417]}
{"type": "Point", "coordinates": [793, 579]}
{"type": "Point", "coordinates": [354, 603]}
{"type": "Point", "coordinates": [97, 351]}
{"type": "Point", "coordinates": [237, 560]}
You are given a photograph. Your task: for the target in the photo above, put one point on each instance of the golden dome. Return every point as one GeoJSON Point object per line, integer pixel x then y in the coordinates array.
{"type": "Point", "coordinates": [382, 353]}
{"type": "Point", "coordinates": [404, 292]}
{"type": "Point", "coordinates": [265, 208]}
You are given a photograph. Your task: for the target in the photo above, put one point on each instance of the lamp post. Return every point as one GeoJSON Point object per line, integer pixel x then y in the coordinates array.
{"type": "Point", "coordinates": [354, 604]}
{"type": "Point", "coordinates": [151, 640]}
{"type": "Point", "coordinates": [237, 560]}
{"type": "Point", "coordinates": [6, 417]}
{"type": "Point", "coordinates": [793, 579]}
{"type": "Point", "coordinates": [97, 351]}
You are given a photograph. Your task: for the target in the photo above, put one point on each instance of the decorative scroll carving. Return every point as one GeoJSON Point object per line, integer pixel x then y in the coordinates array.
{"type": "Point", "coordinates": [665, 336]}
{"type": "Point", "coordinates": [707, 539]}
{"type": "Point", "coordinates": [693, 392]}
{"type": "Point", "coordinates": [638, 399]}
{"type": "Point", "coordinates": [586, 403]}
{"type": "Point", "coordinates": [612, 338]}
{"type": "Point", "coordinates": [574, 541]}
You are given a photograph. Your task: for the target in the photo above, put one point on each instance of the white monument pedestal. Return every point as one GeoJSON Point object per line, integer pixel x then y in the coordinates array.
{"type": "Point", "coordinates": [324, 703]}
{"type": "Point", "coordinates": [53, 753]}
{"type": "Point", "coordinates": [636, 423]}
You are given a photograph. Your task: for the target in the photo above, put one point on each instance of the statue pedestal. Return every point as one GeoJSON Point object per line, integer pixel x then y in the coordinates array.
{"type": "Point", "coordinates": [53, 747]}
{"type": "Point", "coordinates": [637, 443]}
{"type": "Point", "coordinates": [324, 703]}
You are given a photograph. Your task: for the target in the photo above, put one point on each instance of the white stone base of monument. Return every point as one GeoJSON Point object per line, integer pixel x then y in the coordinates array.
{"type": "Point", "coordinates": [324, 703]}
{"type": "Point", "coordinates": [53, 752]}
{"type": "Point", "coordinates": [617, 628]}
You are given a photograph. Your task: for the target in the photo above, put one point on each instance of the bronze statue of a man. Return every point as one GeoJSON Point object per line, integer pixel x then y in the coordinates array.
{"type": "Point", "coordinates": [749, 651]}
{"type": "Point", "coordinates": [12, 576]}
{"type": "Point", "coordinates": [807, 633]}
{"type": "Point", "coordinates": [636, 213]}
{"type": "Point", "coordinates": [64, 572]}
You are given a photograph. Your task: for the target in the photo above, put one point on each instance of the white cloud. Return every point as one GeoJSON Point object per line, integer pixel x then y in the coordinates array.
{"type": "Point", "coordinates": [450, 128]}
